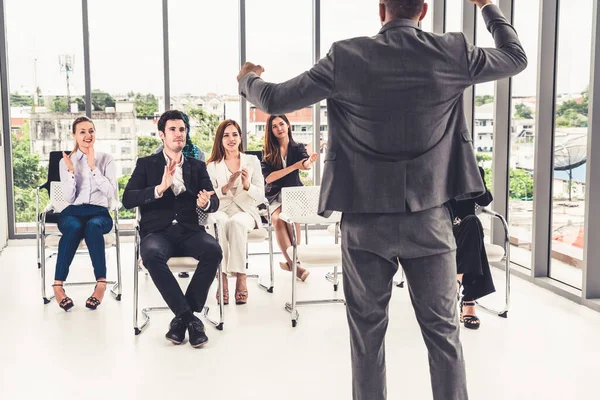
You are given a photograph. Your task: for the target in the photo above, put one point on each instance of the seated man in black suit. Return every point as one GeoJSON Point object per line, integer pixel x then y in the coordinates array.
{"type": "Point", "coordinates": [170, 190]}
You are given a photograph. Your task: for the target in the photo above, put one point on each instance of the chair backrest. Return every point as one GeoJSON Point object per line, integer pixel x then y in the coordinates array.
{"type": "Point", "coordinates": [301, 204]}
{"type": "Point", "coordinates": [53, 168]}
{"type": "Point", "coordinates": [57, 197]}
{"type": "Point", "coordinates": [58, 201]}
{"type": "Point", "coordinates": [257, 153]}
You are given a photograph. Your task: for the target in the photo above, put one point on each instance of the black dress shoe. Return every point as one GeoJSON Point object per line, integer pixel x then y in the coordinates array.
{"type": "Point", "coordinates": [184, 275]}
{"type": "Point", "coordinates": [176, 332]}
{"type": "Point", "coordinates": [196, 332]}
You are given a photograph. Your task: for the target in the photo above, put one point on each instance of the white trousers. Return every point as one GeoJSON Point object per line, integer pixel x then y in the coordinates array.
{"type": "Point", "coordinates": [234, 225]}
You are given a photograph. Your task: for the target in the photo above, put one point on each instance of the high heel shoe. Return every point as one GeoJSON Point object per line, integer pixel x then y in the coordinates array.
{"type": "Point", "coordinates": [301, 273]}
{"type": "Point", "coordinates": [66, 303]}
{"type": "Point", "coordinates": [469, 321]}
{"type": "Point", "coordinates": [92, 302]}
{"type": "Point", "coordinates": [225, 297]}
{"type": "Point", "coordinates": [241, 292]}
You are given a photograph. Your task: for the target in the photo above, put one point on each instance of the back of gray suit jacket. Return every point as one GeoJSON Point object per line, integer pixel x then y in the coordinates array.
{"type": "Point", "coordinates": [398, 138]}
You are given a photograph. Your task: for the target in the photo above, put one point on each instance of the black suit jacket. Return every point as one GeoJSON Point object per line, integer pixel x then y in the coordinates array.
{"type": "Point", "coordinates": [158, 214]}
{"type": "Point", "coordinates": [296, 152]}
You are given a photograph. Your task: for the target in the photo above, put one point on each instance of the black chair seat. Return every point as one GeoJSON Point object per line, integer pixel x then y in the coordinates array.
{"type": "Point", "coordinates": [51, 218]}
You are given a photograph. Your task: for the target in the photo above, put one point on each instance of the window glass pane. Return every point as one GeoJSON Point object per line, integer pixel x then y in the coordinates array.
{"type": "Point", "coordinates": [483, 130]}
{"type": "Point", "coordinates": [46, 79]}
{"type": "Point", "coordinates": [454, 15]}
{"type": "Point", "coordinates": [126, 57]}
{"type": "Point", "coordinates": [204, 63]}
{"type": "Point", "coordinates": [427, 22]}
{"type": "Point", "coordinates": [282, 43]}
{"type": "Point", "coordinates": [522, 142]}
{"type": "Point", "coordinates": [360, 18]}
{"type": "Point", "coordinates": [570, 141]}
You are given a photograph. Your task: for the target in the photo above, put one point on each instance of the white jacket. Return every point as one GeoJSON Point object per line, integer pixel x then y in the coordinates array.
{"type": "Point", "coordinates": [247, 200]}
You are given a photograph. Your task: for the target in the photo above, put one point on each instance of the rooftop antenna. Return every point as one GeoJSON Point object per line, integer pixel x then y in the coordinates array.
{"type": "Point", "coordinates": [66, 62]}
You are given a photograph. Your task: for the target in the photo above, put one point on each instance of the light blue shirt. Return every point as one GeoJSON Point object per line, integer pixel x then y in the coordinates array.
{"type": "Point", "coordinates": [85, 186]}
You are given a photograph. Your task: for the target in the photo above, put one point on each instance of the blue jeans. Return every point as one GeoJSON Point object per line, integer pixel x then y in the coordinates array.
{"type": "Point", "coordinates": [78, 222]}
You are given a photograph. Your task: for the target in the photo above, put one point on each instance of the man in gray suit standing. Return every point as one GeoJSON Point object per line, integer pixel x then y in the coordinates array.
{"type": "Point", "coordinates": [399, 149]}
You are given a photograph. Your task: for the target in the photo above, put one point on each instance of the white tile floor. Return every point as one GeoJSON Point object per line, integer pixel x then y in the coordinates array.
{"type": "Point", "coordinates": [547, 349]}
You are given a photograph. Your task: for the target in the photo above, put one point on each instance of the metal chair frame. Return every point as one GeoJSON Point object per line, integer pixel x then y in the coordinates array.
{"type": "Point", "coordinates": [56, 205]}
{"type": "Point", "coordinates": [137, 328]}
{"type": "Point", "coordinates": [307, 214]}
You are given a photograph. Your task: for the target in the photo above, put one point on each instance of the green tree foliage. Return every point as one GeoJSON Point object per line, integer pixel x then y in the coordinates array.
{"type": "Point", "coordinates": [27, 175]}
{"type": "Point", "coordinates": [59, 104]}
{"type": "Point", "coordinates": [123, 212]}
{"type": "Point", "coordinates": [481, 100]}
{"type": "Point", "coordinates": [145, 104]}
{"type": "Point", "coordinates": [572, 113]}
{"type": "Point", "coordinates": [255, 144]}
{"type": "Point", "coordinates": [521, 183]}
{"type": "Point", "coordinates": [147, 145]}
{"type": "Point", "coordinates": [101, 100]}
{"type": "Point", "coordinates": [203, 134]}
{"type": "Point", "coordinates": [21, 100]}
{"type": "Point", "coordinates": [522, 111]}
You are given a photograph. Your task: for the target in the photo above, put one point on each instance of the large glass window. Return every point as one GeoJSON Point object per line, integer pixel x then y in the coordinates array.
{"type": "Point", "coordinates": [45, 60]}
{"type": "Point", "coordinates": [454, 15]}
{"type": "Point", "coordinates": [360, 18]}
{"type": "Point", "coordinates": [427, 22]}
{"type": "Point", "coordinates": [127, 79]}
{"type": "Point", "coordinates": [204, 63]}
{"type": "Point", "coordinates": [483, 129]}
{"type": "Point", "coordinates": [570, 141]}
{"type": "Point", "coordinates": [522, 135]}
{"type": "Point", "coordinates": [280, 39]}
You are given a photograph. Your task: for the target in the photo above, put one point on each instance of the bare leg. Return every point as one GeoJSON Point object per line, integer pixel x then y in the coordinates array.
{"type": "Point", "coordinates": [282, 234]}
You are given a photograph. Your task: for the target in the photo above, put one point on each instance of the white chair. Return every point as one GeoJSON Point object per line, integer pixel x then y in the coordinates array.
{"type": "Point", "coordinates": [176, 264]}
{"type": "Point", "coordinates": [496, 253]}
{"type": "Point", "coordinates": [48, 241]}
{"type": "Point", "coordinates": [259, 235]}
{"type": "Point", "coordinates": [300, 205]}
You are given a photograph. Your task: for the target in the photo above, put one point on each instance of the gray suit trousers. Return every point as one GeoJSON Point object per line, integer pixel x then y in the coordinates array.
{"type": "Point", "coordinates": [372, 245]}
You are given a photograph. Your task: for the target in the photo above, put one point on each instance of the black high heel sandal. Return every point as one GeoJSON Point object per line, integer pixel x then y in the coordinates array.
{"type": "Point", "coordinates": [66, 303]}
{"type": "Point", "coordinates": [92, 303]}
{"type": "Point", "coordinates": [469, 321]}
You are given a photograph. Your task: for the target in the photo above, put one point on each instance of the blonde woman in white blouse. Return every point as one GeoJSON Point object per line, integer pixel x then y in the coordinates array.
{"type": "Point", "coordinates": [239, 184]}
{"type": "Point", "coordinates": [89, 183]}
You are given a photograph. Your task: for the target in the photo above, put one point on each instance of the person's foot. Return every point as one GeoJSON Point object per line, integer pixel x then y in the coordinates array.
{"type": "Point", "coordinates": [196, 333]}
{"type": "Point", "coordinates": [61, 297]}
{"type": "Point", "coordinates": [96, 298]}
{"type": "Point", "coordinates": [176, 333]}
{"type": "Point", "coordinates": [225, 290]}
{"type": "Point", "coordinates": [241, 289]}
{"type": "Point", "coordinates": [184, 275]}
{"type": "Point", "coordinates": [302, 273]}
{"type": "Point", "coordinates": [468, 315]}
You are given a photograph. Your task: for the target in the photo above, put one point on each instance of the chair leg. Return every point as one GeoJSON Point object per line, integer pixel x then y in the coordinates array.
{"type": "Point", "coordinates": [293, 310]}
{"type": "Point", "coordinates": [118, 285]}
{"type": "Point", "coordinates": [136, 271]}
{"type": "Point", "coordinates": [43, 269]}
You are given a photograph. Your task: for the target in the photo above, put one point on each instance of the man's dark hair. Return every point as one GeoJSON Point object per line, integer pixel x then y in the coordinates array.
{"type": "Point", "coordinates": [407, 9]}
{"type": "Point", "coordinates": [167, 116]}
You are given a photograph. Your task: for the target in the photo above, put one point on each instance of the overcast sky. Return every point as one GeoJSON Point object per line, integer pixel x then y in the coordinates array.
{"type": "Point", "coordinates": [126, 42]}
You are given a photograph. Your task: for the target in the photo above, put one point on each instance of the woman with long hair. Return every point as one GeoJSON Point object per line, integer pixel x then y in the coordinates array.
{"type": "Point", "coordinates": [283, 159]}
{"type": "Point", "coordinates": [89, 183]}
{"type": "Point", "coordinates": [238, 182]}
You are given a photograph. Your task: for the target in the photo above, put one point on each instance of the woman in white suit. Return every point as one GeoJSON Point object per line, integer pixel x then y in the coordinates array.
{"type": "Point", "coordinates": [238, 182]}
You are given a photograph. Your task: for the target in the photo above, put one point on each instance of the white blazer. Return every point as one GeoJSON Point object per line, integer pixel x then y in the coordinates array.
{"type": "Point", "coordinates": [247, 200]}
